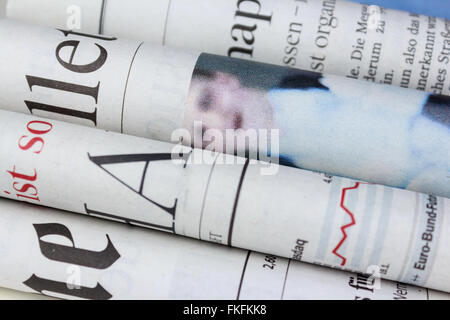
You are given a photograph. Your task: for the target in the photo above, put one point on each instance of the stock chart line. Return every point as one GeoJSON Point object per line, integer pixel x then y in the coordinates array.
{"type": "Point", "coordinates": [344, 227]}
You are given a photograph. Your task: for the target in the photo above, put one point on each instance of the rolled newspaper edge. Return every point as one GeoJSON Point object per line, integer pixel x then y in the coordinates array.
{"type": "Point", "coordinates": [63, 255]}
{"type": "Point", "coordinates": [367, 131]}
{"type": "Point", "coordinates": [337, 37]}
{"type": "Point", "coordinates": [303, 215]}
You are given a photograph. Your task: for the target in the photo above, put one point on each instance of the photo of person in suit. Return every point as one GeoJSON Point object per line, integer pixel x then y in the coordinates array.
{"type": "Point", "coordinates": [376, 133]}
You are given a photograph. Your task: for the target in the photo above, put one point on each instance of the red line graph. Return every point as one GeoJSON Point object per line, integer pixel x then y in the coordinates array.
{"type": "Point", "coordinates": [352, 223]}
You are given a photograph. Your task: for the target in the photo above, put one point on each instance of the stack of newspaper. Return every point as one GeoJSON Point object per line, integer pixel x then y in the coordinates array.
{"type": "Point", "coordinates": [235, 149]}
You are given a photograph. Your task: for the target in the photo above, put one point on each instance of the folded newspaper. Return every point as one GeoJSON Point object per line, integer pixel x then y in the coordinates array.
{"type": "Point", "coordinates": [325, 123]}
{"type": "Point", "coordinates": [331, 36]}
{"type": "Point", "coordinates": [306, 216]}
{"type": "Point", "coordinates": [68, 256]}
{"type": "Point", "coordinates": [376, 133]}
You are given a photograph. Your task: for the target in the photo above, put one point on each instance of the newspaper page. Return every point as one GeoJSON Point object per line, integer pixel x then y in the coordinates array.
{"type": "Point", "coordinates": [69, 256]}
{"type": "Point", "coordinates": [345, 127]}
{"type": "Point", "coordinates": [258, 206]}
{"type": "Point", "coordinates": [355, 40]}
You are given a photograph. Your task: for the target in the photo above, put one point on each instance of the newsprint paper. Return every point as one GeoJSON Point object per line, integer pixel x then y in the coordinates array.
{"type": "Point", "coordinates": [306, 216]}
{"type": "Point", "coordinates": [358, 41]}
{"type": "Point", "coordinates": [360, 130]}
{"type": "Point", "coordinates": [69, 256]}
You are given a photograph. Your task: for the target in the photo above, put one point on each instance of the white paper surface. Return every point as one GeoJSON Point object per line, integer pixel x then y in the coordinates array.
{"type": "Point", "coordinates": [332, 36]}
{"type": "Point", "coordinates": [377, 133]}
{"type": "Point", "coordinates": [68, 256]}
{"type": "Point", "coordinates": [295, 213]}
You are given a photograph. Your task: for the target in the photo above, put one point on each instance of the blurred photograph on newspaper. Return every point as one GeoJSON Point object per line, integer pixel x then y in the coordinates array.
{"type": "Point", "coordinates": [312, 113]}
